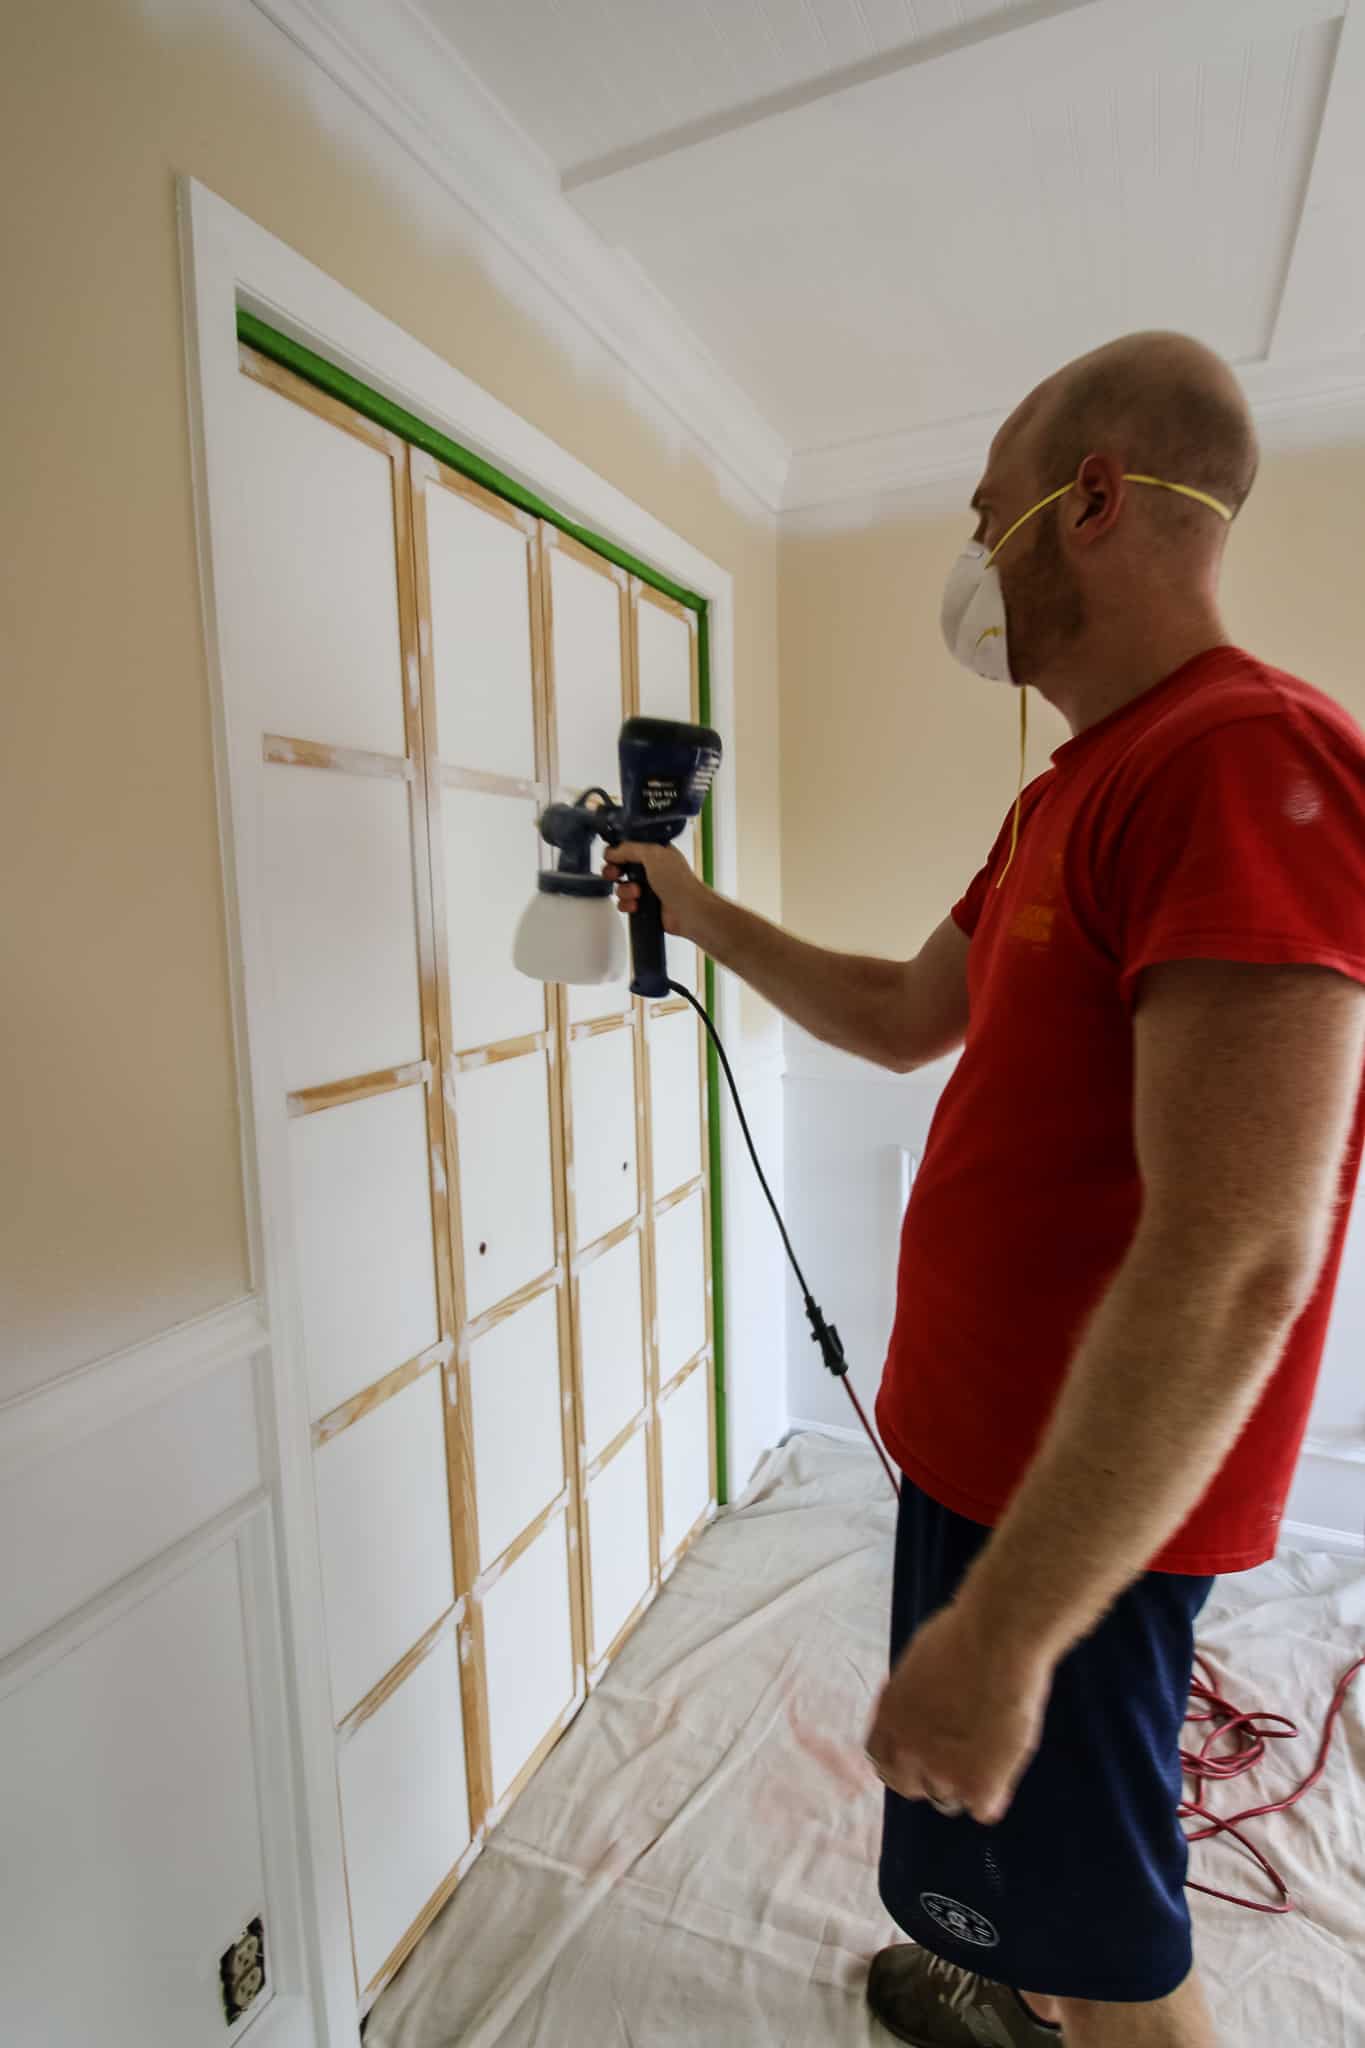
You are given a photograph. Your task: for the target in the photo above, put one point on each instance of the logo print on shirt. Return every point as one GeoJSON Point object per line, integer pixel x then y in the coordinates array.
{"type": "Point", "coordinates": [963, 1923]}
{"type": "Point", "coordinates": [1033, 922]}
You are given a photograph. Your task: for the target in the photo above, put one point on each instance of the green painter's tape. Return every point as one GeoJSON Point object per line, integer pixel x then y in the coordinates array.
{"type": "Point", "coordinates": [708, 871]}
{"type": "Point", "coordinates": [315, 369]}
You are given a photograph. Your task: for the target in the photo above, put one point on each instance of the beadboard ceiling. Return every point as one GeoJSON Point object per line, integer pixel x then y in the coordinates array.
{"type": "Point", "coordinates": [877, 222]}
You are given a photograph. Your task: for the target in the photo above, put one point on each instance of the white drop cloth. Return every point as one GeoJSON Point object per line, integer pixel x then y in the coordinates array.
{"type": "Point", "coordinates": [696, 1861]}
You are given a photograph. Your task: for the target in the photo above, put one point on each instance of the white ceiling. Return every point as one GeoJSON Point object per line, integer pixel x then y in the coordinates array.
{"type": "Point", "coordinates": [860, 229]}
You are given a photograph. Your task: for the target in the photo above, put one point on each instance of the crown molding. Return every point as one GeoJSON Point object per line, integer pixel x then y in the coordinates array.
{"type": "Point", "coordinates": [394, 64]}
{"type": "Point", "coordinates": [923, 470]}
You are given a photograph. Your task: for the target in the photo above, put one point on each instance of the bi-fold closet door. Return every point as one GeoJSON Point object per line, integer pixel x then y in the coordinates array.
{"type": "Point", "coordinates": [497, 1206]}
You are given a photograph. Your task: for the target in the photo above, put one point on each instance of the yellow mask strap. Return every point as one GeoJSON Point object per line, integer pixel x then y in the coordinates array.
{"type": "Point", "coordinates": [1156, 483]}
{"type": "Point", "coordinates": [1130, 477]}
{"type": "Point", "coordinates": [1019, 793]}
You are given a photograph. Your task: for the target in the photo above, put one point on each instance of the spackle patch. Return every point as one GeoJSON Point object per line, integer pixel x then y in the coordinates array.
{"type": "Point", "coordinates": [414, 679]}
{"type": "Point", "coordinates": [438, 1170]}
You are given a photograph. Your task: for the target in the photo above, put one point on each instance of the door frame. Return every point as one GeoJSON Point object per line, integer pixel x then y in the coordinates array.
{"type": "Point", "coordinates": [230, 264]}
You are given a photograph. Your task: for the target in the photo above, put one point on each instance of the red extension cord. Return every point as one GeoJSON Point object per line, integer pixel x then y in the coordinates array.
{"type": "Point", "coordinates": [1249, 1733]}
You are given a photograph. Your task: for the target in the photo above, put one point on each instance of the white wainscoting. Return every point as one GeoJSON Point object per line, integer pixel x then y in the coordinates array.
{"type": "Point", "coordinates": [853, 1134]}
{"type": "Point", "coordinates": [145, 1787]}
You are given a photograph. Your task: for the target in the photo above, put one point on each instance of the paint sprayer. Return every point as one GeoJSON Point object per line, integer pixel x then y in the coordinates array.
{"type": "Point", "coordinates": [570, 930]}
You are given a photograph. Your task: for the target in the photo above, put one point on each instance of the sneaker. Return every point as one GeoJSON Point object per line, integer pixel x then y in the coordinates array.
{"type": "Point", "coordinates": [932, 2004]}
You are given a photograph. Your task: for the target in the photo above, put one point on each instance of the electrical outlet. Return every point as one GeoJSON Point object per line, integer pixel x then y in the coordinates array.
{"type": "Point", "coordinates": [242, 1969]}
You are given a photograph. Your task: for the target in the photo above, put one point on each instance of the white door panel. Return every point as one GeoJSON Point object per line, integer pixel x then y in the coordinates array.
{"type": "Point", "coordinates": [680, 1284]}
{"type": "Point", "coordinates": [362, 1232]}
{"type": "Point", "coordinates": [319, 637]}
{"type": "Point", "coordinates": [611, 1344]}
{"type": "Point", "coordinates": [618, 1542]}
{"type": "Point", "coordinates": [586, 614]}
{"type": "Point", "coordinates": [384, 1536]}
{"type": "Point", "coordinates": [528, 1647]}
{"type": "Point", "coordinates": [490, 869]}
{"type": "Point", "coordinates": [518, 1423]}
{"type": "Point", "coordinates": [664, 650]}
{"type": "Point", "coordinates": [675, 1100]}
{"type": "Point", "coordinates": [480, 636]}
{"type": "Point", "coordinates": [404, 1805]}
{"type": "Point", "coordinates": [684, 1432]}
{"type": "Point", "coordinates": [503, 1129]}
{"type": "Point", "coordinates": [338, 880]}
{"type": "Point", "coordinates": [605, 1177]}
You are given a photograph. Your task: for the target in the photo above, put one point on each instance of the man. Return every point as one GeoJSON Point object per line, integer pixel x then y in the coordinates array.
{"type": "Point", "coordinates": [1119, 1257]}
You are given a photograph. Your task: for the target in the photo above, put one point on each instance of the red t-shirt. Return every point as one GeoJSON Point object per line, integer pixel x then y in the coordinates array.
{"type": "Point", "coordinates": [1220, 816]}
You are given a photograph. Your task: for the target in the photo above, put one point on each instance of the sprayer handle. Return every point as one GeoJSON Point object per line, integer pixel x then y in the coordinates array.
{"type": "Point", "coordinates": [649, 968]}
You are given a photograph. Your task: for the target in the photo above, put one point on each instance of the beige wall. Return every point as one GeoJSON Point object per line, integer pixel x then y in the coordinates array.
{"type": "Point", "coordinates": [121, 1210]}
{"type": "Point", "coordinates": [898, 766]}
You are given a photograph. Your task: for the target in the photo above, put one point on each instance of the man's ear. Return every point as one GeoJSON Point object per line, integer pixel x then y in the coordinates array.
{"type": "Point", "coordinates": [1097, 499]}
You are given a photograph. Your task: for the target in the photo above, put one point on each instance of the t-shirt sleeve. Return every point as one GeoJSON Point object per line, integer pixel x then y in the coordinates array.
{"type": "Point", "coordinates": [966, 912]}
{"type": "Point", "coordinates": [1248, 843]}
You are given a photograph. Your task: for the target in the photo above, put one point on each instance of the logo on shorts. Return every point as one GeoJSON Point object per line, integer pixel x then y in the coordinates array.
{"type": "Point", "coordinates": [963, 1923]}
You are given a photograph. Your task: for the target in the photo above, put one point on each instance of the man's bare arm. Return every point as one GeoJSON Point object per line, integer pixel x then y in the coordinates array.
{"type": "Point", "coordinates": [900, 1013]}
{"type": "Point", "coordinates": [1246, 1079]}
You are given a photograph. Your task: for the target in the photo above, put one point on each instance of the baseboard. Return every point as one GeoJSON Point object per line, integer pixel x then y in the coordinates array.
{"type": "Point", "coordinates": [1308, 1536]}
{"type": "Point", "coordinates": [1304, 1536]}
{"type": "Point", "coordinates": [836, 1430]}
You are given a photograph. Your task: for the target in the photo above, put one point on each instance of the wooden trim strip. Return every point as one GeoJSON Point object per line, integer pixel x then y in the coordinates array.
{"type": "Point", "coordinates": [556, 538]}
{"type": "Point", "coordinates": [491, 1317]}
{"type": "Point", "coordinates": [618, 1235]}
{"type": "Point", "coordinates": [618, 1443]}
{"type": "Point", "coordinates": [645, 593]}
{"type": "Point", "coordinates": [596, 1027]}
{"type": "Point", "coordinates": [288, 384]}
{"type": "Point", "coordinates": [504, 1049]}
{"type": "Point", "coordinates": [671, 1006]}
{"type": "Point", "coordinates": [287, 753]}
{"type": "Point", "coordinates": [561, 1145]}
{"type": "Point", "coordinates": [414, 574]}
{"type": "Point", "coordinates": [364, 1403]}
{"type": "Point", "coordinates": [491, 784]}
{"type": "Point", "coordinates": [684, 1372]}
{"type": "Point", "coordinates": [388, 1685]}
{"type": "Point", "coordinates": [427, 468]}
{"type": "Point", "coordinates": [680, 1195]}
{"type": "Point", "coordinates": [489, 1576]}
{"type": "Point", "coordinates": [333, 1094]}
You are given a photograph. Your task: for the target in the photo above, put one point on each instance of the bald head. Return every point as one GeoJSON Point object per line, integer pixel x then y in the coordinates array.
{"type": "Point", "coordinates": [1161, 404]}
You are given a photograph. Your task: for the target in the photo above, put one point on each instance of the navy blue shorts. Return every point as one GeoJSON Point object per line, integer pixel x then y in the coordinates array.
{"type": "Point", "coordinates": [1079, 1891]}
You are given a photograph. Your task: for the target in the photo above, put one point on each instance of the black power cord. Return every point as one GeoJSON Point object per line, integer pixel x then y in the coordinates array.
{"type": "Point", "coordinates": [823, 1333]}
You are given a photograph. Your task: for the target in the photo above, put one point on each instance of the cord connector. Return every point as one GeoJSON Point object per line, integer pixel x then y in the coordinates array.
{"type": "Point", "coordinates": [827, 1337]}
